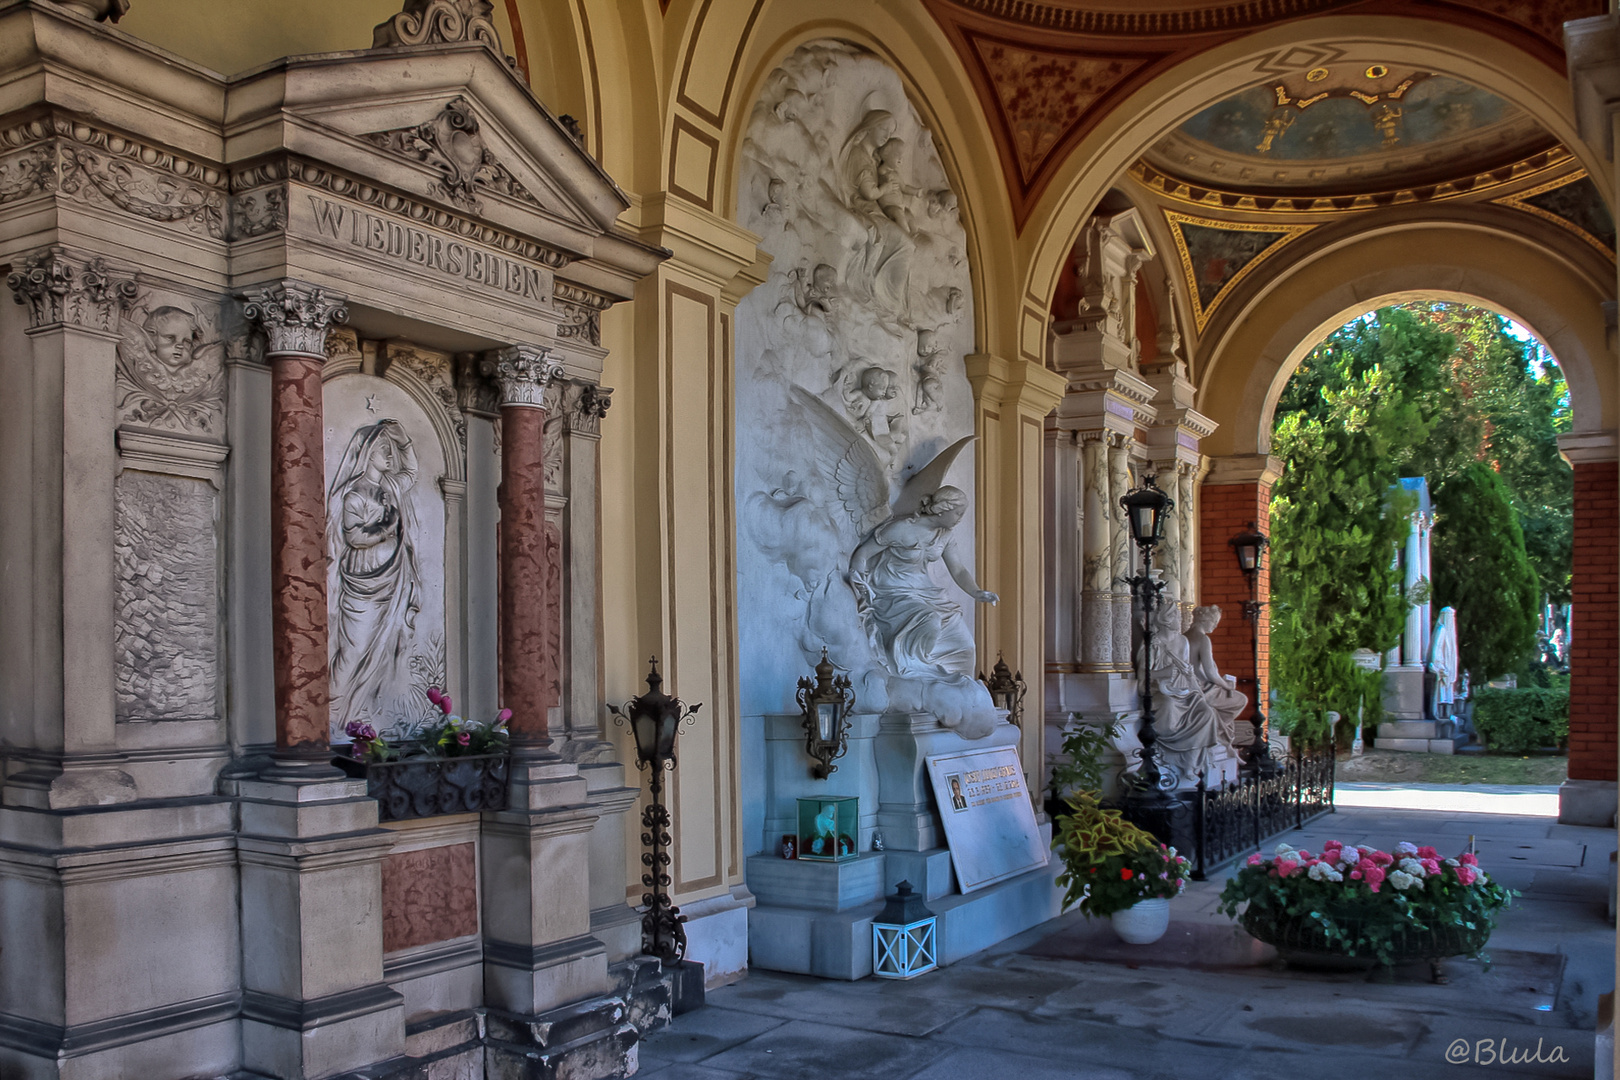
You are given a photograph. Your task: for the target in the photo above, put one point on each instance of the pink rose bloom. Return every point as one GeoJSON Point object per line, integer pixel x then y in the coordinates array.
{"type": "Point", "coordinates": [1254, 860]}
{"type": "Point", "coordinates": [1286, 867]}
{"type": "Point", "coordinates": [1467, 859]}
{"type": "Point", "coordinates": [464, 738]}
{"type": "Point", "coordinates": [444, 704]}
{"type": "Point", "coordinates": [1357, 873]}
{"type": "Point", "coordinates": [1431, 866]}
{"type": "Point", "coordinates": [1428, 853]}
{"type": "Point", "coordinates": [1382, 858]}
{"type": "Point", "coordinates": [1373, 876]}
{"type": "Point", "coordinates": [1466, 874]}
{"type": "Point", "coordinates": [1307, 857]}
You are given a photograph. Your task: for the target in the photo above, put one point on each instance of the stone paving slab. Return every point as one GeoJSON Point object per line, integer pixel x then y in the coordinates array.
{"type": "Point", "coordinates": [1007, 1013]}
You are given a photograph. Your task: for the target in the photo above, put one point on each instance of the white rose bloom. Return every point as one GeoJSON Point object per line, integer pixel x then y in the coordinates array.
{"type": "Point", "coordinates": [1401, 880]}
{"type": "Point", "coordinates": [1323, 872]}
{"type": "Point", "coordinates": [1406, 847]}
{"type": "Point", "coordinates": [1452, 862]}
{"type": "Point", "coordinates": [1285, 849]}
{"type": "Point", "coordinates": [1350, 856]}
{"type": "Point", "coordinates": [1412, 866]}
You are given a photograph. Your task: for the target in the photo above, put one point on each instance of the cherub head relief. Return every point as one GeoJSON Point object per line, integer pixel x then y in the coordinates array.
{"type": "Point", "coordinates": [878, 384]}
{"type": "Point", "coordinates": [173, 335]}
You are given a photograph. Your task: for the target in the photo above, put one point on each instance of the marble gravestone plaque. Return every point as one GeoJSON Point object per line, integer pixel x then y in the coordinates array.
{"type": "Point", "coordinates": [989, 820]}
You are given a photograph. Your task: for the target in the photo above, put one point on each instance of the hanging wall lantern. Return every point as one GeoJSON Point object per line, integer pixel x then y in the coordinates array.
{"type": "Point", "coordinates": [825, 705]}
{"type": "Point", "coordinates": [904, 941]}
{"type": "Point", "coordinates": [1006, 690]}
{"type": "Point", "coordinates": [1145, 507]}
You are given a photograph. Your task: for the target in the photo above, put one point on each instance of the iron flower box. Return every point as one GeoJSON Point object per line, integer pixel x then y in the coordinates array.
{"type": "Point", "coordinates": [427, 786]}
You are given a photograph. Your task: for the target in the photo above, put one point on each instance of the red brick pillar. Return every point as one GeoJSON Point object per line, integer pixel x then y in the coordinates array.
{"type": "Point", "coordinates": [1235, 496]}
{"type": "Point", "coordinates": [1594, 639]}
{"type": "Point", "coordinates": [529, 661]}
{"type": "Point", "coordinates": [295, 318]}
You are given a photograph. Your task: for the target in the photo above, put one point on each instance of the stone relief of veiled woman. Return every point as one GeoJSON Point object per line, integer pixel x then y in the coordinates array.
{"type": "Point", "coordinates": [374, 584]}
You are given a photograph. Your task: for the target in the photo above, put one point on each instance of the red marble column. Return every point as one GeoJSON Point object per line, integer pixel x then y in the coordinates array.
{"type": "Point", "coordinates": [528, 657]}
{"type": "Point", "coordinates": [295, 318]}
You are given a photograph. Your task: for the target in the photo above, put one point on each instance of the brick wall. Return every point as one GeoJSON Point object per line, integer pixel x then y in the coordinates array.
{"type": "Point", "coordinates": [1594, 661]}
{"type": "Point", "coordinates": [1225, 510]}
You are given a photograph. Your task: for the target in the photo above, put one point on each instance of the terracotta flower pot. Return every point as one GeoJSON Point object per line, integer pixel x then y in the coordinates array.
{"type": "Point", "coordinates": [1142, 923]}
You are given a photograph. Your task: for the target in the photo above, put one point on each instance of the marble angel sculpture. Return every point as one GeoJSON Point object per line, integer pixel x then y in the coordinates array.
{"type": "Point", "coordinates": [1443, 662]}
{"type": "Point", "coordinates": [1219, 690]}
{"type": "Point", "coordinates": [374, 586]}
{"type": "Point", "coordinates": [920, 635]}
{"type": "Point", "coordinates": [1187, 725]}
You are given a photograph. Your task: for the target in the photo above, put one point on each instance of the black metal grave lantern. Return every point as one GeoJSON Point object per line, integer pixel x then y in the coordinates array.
{"type": "Point", "coordinates": [1147, 803]}
{"type": "Point", "coordinates": [1250, 548]}
{"type": "Point", "coordinates": [655, 719]}
{"type": "Point", "coordinates": [1006, 690]}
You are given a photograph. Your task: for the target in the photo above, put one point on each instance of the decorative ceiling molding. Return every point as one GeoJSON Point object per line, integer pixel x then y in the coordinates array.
{"type": "Point", "coordinates": [1176, 189]}
{"type": "Point", "coordinates": [1216, 256]}
{"type": "Point", "coordinates": [1571, 202]}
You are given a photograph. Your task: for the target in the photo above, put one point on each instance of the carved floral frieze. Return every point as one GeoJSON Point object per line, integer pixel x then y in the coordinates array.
{"type": "Point", "coordinates": [581, 310]}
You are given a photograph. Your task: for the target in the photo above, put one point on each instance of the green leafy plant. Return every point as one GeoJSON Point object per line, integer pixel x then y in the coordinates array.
{"type": "Point", "coordinates": [1110, 864]}
{"type": "Point", "coordinates": [449, 737]}
{"type": "Point", "coordinates": [1078, 766]}
{"type": "Point", "coordinates": [1359, 901]}
{"type": "Point", "coordinates": [1481, 569]}
{"type": "Point", "coordinates": [1528, 718]}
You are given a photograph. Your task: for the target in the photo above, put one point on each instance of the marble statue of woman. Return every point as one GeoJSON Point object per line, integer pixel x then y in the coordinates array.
{"type": "Point", "coordinates": [920, 635]}
{"type": "Point", "coordinates": [1187, 725]}
{"type": "Point", "coordinates": [1219, 690]}
{"type": "Point", "coordinates": [1443, 662]}
{"type": "Point", "coordinates": [374, 586]}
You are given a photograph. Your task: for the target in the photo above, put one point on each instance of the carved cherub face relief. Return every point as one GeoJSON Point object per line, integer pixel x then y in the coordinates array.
{"type": "Point", "coordinates": [173, 334]}
{"type": "Point", "coordinates": [878, 384]}
{"type": "Point", "coordinates": [823, 281]}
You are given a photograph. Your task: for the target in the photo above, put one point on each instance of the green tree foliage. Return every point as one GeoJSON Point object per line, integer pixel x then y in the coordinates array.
{"type": "Point", "coordinates": [1419, 390]}
{"type": "Point", "coordinates": [1481, 569]}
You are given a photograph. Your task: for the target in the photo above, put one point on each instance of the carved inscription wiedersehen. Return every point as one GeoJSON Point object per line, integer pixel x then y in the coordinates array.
{"type": "Point", "coordinates": [413, 245]}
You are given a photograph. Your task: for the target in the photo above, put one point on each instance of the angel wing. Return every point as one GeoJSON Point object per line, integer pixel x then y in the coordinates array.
{"type": "Point", "coordinates": [928, 479]}
{"type": "Point", "coordinates": [848, 461]}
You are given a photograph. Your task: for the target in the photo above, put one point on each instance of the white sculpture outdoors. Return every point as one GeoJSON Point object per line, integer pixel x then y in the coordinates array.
{"type": "Point", "coordinates": [1443, 662]}
{"type": "Point", "coordinates": [1219, 690]}
{"type": "Point", "coordinates": [853, 403]}
{"type": "Point", "coordinates": [1187, 725]}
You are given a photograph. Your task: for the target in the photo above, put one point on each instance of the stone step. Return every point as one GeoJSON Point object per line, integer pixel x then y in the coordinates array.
{"type": "Point", "coordinates": [1409, 729]}
{"type": "Point", "coordinates": [1417, 746]}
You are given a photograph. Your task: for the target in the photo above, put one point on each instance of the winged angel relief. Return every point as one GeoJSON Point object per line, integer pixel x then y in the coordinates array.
{"type": "Point", "coordinates": [169, 370]}
{"type": "Point", "coordinates": [919, 634]}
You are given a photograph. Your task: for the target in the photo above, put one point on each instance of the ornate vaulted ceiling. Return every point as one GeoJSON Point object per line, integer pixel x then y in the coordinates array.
{"type": "Point", "coordinates": [1047, 71]}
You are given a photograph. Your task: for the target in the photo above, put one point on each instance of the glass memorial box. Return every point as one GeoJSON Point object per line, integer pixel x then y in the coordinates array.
{"type": "Point", "coordinates": [828, 828]}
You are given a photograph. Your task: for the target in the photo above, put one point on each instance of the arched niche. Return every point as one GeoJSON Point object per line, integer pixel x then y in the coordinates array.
{"type": "Point", "coordinates": [1265, 343]}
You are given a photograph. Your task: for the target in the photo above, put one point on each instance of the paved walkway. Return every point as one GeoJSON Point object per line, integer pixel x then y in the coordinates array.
{"type": "Point", "coordinates": [1523, 800]}
{"type": "Point", "coordinates": [1026, 1011]}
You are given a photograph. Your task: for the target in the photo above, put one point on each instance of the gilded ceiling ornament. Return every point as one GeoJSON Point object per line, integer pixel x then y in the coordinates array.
{"type": "Point", "coordinates": [1571, 202]}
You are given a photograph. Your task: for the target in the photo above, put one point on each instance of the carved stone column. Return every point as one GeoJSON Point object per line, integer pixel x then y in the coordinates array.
{"type": "Point", "coordinates": [1187, 481]}
{"type": "Point", "coordinates": [528, 662]}
{"type": "Point", "coordinates": [1096, 599]}
{"type": "Point", "coordinates": [1119, 534]}
{"type": "Point", "coordinates": [295, 318]}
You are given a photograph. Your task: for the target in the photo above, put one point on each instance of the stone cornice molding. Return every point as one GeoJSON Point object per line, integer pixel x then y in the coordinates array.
{"type": "Point", "coordinates": [523, 373]}
{"type": "Point", "coordinates": [295, 317]}
{"type": "Point", "coordinates": [1584, 447]}
{"type": "Point", "coordinates": [1244, 469]}
{"type": "Point", "coordinates": [59, 289]}
{"type": "Point", "coordinates": [582, 312]}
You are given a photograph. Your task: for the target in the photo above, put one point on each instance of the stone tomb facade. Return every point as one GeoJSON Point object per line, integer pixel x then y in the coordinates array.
{"type": "Point", "coordinates": [309, 368]}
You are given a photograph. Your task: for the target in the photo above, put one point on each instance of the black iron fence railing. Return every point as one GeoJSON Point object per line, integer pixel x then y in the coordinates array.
{"type": "Point", "coordinates": [1234, 818]}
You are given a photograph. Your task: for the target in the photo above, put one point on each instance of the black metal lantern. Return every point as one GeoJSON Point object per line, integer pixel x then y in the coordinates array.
{"type": "Point", "coordinates": [1147, 803]}
{"type": "Point", "coordinates": [1145, 510]}
{"type": "Point", "coordinates": [1006, 690]}
{"type": "Point", "coordinates": [655, 719]}
{"type": "Point", "coordinates": [825, 705]}
{"type": "Point", "coordinates": [1250, 548]}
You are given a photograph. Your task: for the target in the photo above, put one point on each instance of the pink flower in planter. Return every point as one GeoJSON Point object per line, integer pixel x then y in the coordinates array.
{"type": "Point", "coordinates": [434, 695]}
{"type": "Point", "coordinates": [1286, 867]}
{"type": "Point", "coordinates": [444, 704]}
{"type": "Point", "coordinates": [1466, 874]}
{"type": "Point", "coordinates": [1382, 858]}
{"type": "Point", "coordinates": [503, 716]}
{"type": "Point", "coordinates": [1427, 852]}
{"type": "Point", "coordinates": [1431, 866]}
{"type": "Point", "coordinates": [464, 738]}
{"type": "Point", "coordinates": [1255, 860]}
{"type": "Point", "coordinates": [1373, 876]}
{"type": "Point", "coordinates": [1467, 859]}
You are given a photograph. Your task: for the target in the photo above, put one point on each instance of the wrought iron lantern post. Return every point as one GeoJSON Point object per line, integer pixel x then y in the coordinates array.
{"type": "Point", "coordinates": [826, 704]}
{"type": "Point", "coordinates": [655, 719]}
{"type": "Point", "coordinates": [1006, 690]}
{"type": "Point", "coordinates": [1147, 803]}
{"type": "Point", "coordinates": [1250, 549]}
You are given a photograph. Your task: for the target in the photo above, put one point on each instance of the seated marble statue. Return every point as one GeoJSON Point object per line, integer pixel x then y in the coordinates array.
{"type": "Point", "coordinates": [1219, 690]}
{"type": "Point", "coordinates": [1187, 725]}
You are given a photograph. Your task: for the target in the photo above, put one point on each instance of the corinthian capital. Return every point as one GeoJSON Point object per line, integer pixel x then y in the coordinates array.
{"type": "Point", "coordinates": [295, 316]}
{"type": "Point", "coordinates": [57, 288]}
{"type": "Point", "coordinates": [523, 372]}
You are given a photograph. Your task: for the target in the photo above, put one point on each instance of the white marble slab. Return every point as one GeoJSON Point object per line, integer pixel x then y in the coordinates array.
{"type": "Point", "coordinates": [989, 820]}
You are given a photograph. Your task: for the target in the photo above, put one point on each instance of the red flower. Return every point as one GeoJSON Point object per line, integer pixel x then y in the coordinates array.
{"type": "Point", "coordinates": [1125, 873]}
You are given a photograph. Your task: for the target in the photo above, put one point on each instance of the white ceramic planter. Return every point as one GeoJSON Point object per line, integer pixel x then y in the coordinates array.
{"type": "Point", "coordinates": [1144, 922]}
